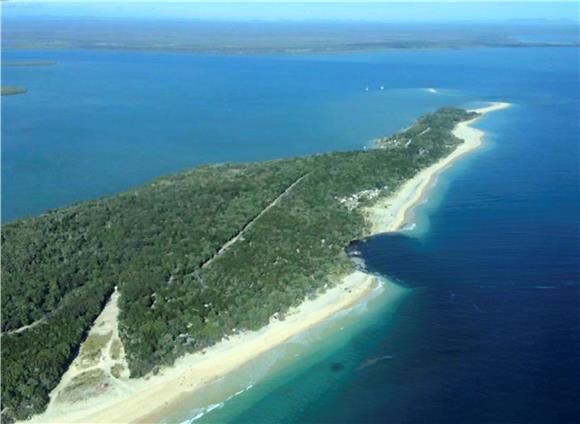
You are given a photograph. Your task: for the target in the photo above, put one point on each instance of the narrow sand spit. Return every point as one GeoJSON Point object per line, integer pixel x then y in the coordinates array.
{"type": "Point", "coordinates": [141, 399]}
{"type": "Point", "coordinates": [389, 214]}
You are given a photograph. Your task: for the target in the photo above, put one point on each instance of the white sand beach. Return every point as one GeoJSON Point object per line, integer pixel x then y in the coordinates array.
{"type": "Point", "coordinates": [390, 214]}
{"type": "Point", "coordinates": [138, 400]}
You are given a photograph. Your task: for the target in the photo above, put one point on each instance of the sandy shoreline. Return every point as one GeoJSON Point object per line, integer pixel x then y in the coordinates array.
{"type": "Point", "coordinates": [142, 400]}
{"type": "Point", "coordinates": [391, 213]}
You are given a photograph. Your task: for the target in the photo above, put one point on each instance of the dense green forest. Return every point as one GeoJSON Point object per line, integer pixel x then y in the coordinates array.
{"type": "Point", "coordinates": [159, 244]}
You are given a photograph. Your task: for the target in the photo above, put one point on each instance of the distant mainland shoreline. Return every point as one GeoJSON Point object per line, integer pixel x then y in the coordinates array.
{"type": "Point", "coordinates": [28, 63]}
{"type": "Point", "coordinates": [266, 38]}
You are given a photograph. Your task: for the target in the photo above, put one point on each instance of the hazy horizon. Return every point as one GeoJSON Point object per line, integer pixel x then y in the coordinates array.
{"type": "Point", "coordinates": [393, 12]}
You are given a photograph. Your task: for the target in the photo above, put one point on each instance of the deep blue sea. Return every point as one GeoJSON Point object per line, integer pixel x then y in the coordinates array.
{"type": "Point", "coordinates": [484, 323]}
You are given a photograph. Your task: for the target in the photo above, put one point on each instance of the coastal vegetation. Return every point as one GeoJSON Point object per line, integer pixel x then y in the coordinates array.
{"type": "Point", "coordinates": [93, 346]}
{"type": "Point", "coordinates": [82, 385]}
{"type": "Point", "coordinates": [197, 257]}
{"type": "Point", "coordinates": [34, 360]}
{"type": "Point", "coordinates": [29, 63]}
{"type": "Point", "coordinates": [8, 90]}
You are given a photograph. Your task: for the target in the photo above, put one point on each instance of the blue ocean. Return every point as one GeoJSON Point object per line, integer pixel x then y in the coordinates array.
{"type": "Point", "coordinates": [479, 317]}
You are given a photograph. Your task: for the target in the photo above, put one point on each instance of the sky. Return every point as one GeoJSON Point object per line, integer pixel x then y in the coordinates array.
{"type": "Point", "coordinates": [291, 1]}
{"type": "Point", "coordinates": [271, 10]}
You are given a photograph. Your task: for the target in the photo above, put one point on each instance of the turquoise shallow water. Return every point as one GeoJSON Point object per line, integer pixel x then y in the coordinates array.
{"type": "Point", "coordinates": [278, 367]}
{"type": "Point", "coordinates": [489, 331]}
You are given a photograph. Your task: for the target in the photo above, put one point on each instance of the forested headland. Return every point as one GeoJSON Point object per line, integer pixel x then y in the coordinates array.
{"type": "Point", "coordinates": [284, 224]}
